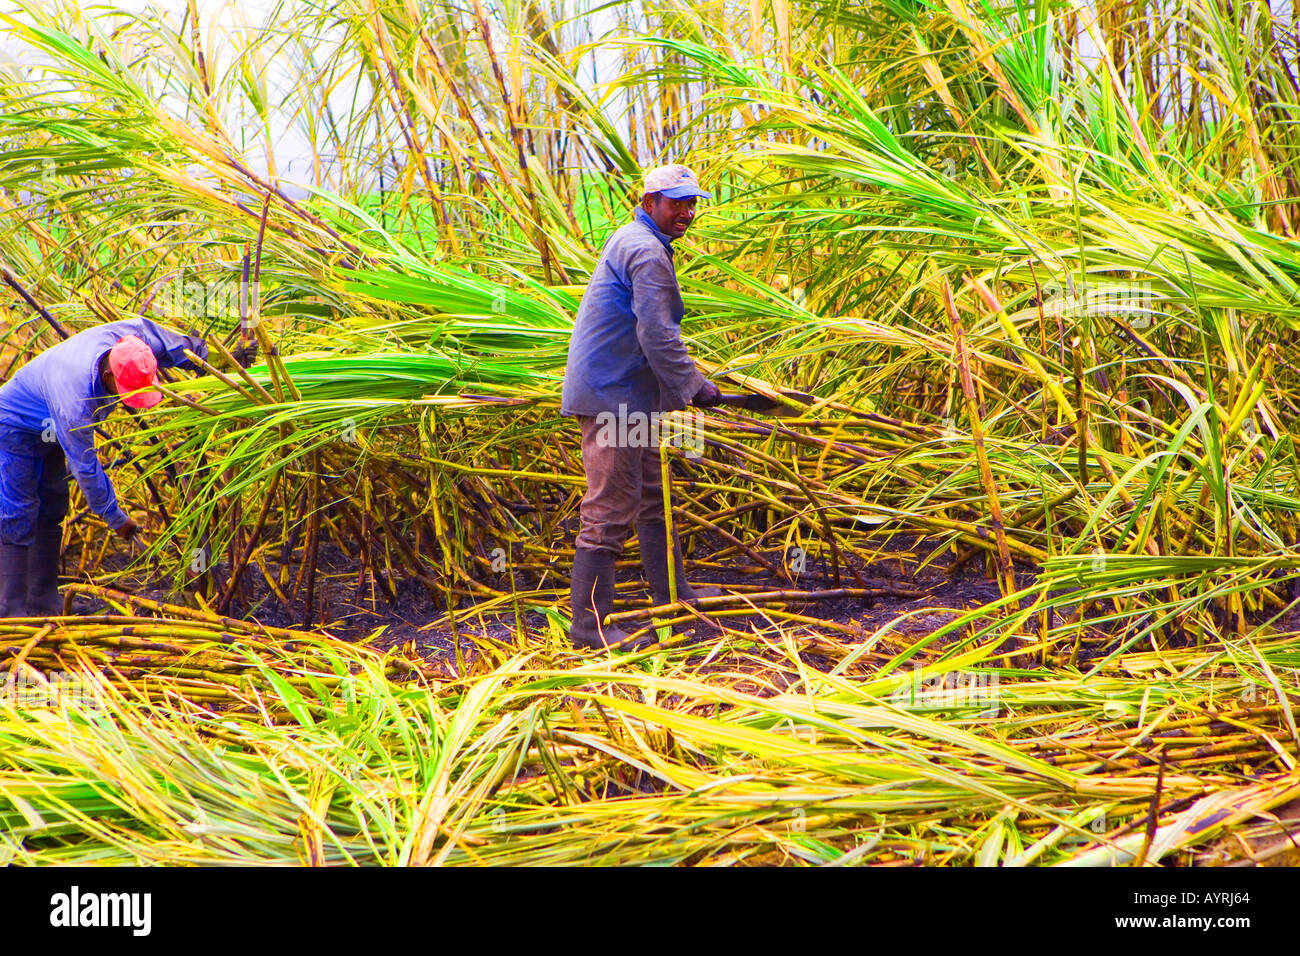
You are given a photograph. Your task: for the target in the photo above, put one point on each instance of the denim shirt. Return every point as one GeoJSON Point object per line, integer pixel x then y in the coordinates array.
{"type": "Point", "coordinates": [62, 389]}
{"type": "Point", "coordinates": [626, 347]}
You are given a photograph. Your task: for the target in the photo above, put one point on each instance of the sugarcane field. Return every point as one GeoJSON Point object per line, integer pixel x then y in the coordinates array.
{"type": "Point", "coordinates": [652, 432]}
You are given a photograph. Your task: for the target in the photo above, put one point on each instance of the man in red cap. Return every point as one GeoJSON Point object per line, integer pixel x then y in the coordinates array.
{"type": "Point", "coordinates": [48, 413]}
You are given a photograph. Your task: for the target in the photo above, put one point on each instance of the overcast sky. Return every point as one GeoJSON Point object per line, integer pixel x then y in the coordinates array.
{"type": "Point", "coordinates": [291, 145]}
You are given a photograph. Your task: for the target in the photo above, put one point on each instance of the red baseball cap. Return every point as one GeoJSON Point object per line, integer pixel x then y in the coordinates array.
{"type": "Point", "coordinates": [134, 367]}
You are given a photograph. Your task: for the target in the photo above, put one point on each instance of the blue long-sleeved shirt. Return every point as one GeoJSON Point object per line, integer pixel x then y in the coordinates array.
{"type": "Point", "coordinates": [626, 346]}
{"type": "Point", "coordinates": [62, 389]}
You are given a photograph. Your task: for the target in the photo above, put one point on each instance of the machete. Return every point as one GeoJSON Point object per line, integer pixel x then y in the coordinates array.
{"type": "Point", "coordinates": [753, 402]}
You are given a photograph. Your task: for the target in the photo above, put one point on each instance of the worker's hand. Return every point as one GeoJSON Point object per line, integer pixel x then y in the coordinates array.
{"type": "Point", "coordinates": [245, 355]}
{"type": "Point", "coordinates": [128, 530]}
{"type": "Point", "coordinates": [708, 395]}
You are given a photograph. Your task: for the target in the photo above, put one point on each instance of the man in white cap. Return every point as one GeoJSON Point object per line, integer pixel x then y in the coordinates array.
{"type": "Point", "coordinates": [48, 413]}
{"type": "Point", "coordinates": [626, 357]}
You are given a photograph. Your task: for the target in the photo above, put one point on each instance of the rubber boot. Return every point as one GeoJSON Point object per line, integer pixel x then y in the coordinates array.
{"type": "Point", "coordinates": [653, 537]}
{"type": "Point", "coordinates": [43, 598]}
{"type": "Point", "coordinates": [591, 595]}
{"type": "Point", "coordinates": [13, 580]}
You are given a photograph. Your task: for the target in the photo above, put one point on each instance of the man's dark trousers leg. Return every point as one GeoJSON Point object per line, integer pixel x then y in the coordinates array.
{"type": "Point", "coordinates": [22, 456]}
{"type": "Point", "coordinates": [624, 485]}
{"type": "Point", "coordinates": [622, 481]}
{"type": "Point", "coordinates": [43, 599]}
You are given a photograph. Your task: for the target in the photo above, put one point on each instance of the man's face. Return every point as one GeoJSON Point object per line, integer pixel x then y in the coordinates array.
{"type": "Point", "coordinates": [672, 216]}
{"type": "Point", "coordinates": [106, 375]}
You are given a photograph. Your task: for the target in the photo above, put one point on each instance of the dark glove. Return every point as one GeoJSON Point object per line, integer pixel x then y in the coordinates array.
{"type": "Point", "coordinates": [196, 344]}
{"type": "Point", "coordinates": [128, 530]}
{"type": "Point", "coordinates": [708, 395]}
{"type": "Point", "coordinates": [245, 355]}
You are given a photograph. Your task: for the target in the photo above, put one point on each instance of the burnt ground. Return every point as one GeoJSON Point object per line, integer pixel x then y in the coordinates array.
{"type": "Point", "coordinates": [932, 588]}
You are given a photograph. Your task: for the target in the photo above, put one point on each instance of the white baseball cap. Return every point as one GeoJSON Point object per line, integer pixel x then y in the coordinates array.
{"type": "Point", "coordinates": [674, 181]}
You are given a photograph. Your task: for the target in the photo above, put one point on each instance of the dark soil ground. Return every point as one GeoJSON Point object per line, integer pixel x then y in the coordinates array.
{"type": "Point", "coordinates": [348, 605]}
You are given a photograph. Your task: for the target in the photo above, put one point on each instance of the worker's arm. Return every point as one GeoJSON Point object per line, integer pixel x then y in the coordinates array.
{"type": "Point", "coordinates": [76, 435]}
{"type": "Point", "coordinates": [655, 300]}
{"type": "Point", "coordinates": [169, 347]}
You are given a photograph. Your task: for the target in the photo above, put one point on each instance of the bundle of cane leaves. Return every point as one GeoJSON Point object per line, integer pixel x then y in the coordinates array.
{"type": "Point", "coordinates": [334, 772]}
{"type": "Point", "coordinates": [334, 760]}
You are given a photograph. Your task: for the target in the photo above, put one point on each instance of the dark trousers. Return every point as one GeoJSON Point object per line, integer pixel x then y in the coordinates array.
{"type": "Point", "coordinates": [33, 485]}
{"type": "Point", "coordinates": [624, 486]}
